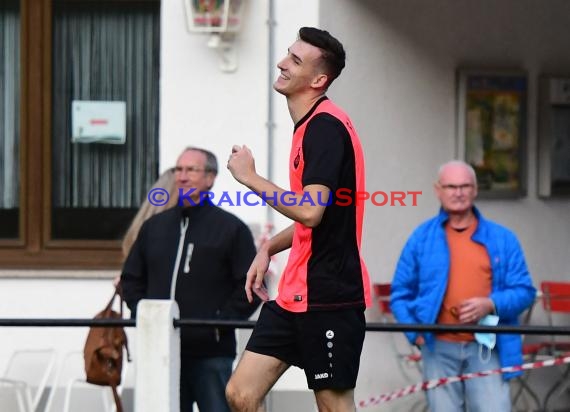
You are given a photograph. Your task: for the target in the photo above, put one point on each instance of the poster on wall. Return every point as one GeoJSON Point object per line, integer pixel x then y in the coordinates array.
{"type": "Point", "coordinates": [492, 129]}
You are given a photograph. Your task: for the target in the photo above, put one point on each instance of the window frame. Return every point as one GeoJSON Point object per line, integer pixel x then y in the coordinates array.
{"type": "Point", "coordinates": [34, 248]}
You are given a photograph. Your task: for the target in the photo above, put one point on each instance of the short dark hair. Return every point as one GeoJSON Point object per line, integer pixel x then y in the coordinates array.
{"type": "Point", "coordinates": [333, 55]}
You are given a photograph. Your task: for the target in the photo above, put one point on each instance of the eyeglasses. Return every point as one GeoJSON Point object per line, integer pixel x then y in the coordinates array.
{"type": "Point", "coordinates": [462, 188]}
{"type": "Point", "coordinates": [190, 169]}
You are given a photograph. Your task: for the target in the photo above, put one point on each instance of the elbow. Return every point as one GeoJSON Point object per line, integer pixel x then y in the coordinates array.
{"type": "Point", "coordinates": [312, 223]}
{"type": "Point", "coordinates": [309, 216]}
{"type": "Point", "coordinates": [311, 220]}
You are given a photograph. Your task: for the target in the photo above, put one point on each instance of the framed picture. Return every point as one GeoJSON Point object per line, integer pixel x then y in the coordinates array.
{"type": "Point", "coordinates": [492, 110]}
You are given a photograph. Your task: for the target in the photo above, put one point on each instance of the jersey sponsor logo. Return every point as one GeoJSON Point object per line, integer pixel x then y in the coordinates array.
{"type": "Point", "coordinates": [297, 159]}
{"type": "Point", "coordinates": [323, 375]}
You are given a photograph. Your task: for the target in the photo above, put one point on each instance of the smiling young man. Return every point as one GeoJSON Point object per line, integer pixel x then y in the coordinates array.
{"type": "Point", "coordinates": [460, 268]}
{"type": "Point", "coordinates": [317, 321]}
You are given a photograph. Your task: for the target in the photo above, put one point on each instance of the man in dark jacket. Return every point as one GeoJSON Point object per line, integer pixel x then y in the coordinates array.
{"type": "Point", "coordinates": [199, 255]}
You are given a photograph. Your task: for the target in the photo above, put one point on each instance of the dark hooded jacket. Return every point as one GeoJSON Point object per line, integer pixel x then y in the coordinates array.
{"type": "Point", "coordinates": [216, 252]}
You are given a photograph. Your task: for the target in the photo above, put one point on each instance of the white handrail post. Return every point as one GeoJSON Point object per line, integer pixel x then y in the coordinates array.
{"type": "Point", "coordinates": [157, 380]}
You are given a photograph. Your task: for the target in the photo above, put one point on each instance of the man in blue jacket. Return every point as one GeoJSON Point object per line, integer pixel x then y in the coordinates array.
{"type": "Point", "coordinates": [460, 268]}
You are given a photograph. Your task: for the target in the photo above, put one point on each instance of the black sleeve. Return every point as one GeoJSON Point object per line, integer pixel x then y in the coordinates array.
{"type": "Point", "coordinates": [242, 254]}
{"type": "Point", "coordinates": [323, 151]}
{"type": "Point", "coordinates": [134, 273]}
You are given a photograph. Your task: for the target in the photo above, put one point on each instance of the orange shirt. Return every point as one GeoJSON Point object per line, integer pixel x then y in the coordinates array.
{"type": "Point", "coordinates": [469, 276]}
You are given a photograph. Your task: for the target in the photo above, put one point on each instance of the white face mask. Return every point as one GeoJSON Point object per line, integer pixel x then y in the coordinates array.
{"type": "Point", "coordinates": [488, 340]}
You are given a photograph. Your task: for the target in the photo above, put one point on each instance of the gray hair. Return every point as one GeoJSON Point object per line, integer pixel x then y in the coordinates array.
{"type": "Point", "coordinates": [460, 163]}
{"type": "Point", "coordinates": [211, 160]}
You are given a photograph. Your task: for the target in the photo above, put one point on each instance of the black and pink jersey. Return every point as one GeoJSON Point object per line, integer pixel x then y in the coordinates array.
{"type": "Point", "coordinates": [325, 270]}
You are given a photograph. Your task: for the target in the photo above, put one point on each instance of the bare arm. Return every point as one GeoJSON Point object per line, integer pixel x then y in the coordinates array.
{"type": "Point", "coordinates": [281, 241]}
{"type": "Point", "coordinates": [260, 264]}
{"type": "Point", "coordinates": [306, 208]}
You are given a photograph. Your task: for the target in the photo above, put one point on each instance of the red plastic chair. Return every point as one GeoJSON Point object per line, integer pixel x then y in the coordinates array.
{"type": "Point", "coordinates": [521, 390]}
{"type": "Point", "coordinates": [382, 294]}
{"type": "Point", "coordinates": [556, 300]}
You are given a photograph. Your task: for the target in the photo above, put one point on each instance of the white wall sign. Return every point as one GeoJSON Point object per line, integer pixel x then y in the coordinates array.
{"type": "Point", "coordinates": [98, 122]}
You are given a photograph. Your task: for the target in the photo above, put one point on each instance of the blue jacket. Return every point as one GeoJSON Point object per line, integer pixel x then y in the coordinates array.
{"type": "Point", "coordinates": [421, 277]}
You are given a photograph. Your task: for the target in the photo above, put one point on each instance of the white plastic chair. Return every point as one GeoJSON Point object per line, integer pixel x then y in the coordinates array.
{"type": "Point", "coordinates": [27, 373]}
{"type": "Point", "coordinates": [409, 358]}
{"type": "Point", "coordinates": [71, 392]}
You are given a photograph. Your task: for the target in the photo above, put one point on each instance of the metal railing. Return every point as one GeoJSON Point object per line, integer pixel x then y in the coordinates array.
{"type": "Point", "coordinates": [158, 342]}
{"type": "Point", "coordinates": [247, 324]}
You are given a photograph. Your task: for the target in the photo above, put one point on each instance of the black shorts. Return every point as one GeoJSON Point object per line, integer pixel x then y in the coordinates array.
{"type": "Point", "coordinates": [326, 344]}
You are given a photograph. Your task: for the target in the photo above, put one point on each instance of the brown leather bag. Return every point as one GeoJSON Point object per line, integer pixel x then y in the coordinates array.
{"type": "Point", "coordinates": [103, 351]}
